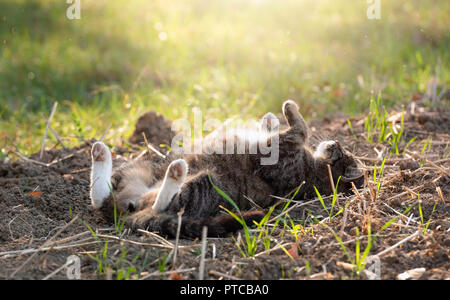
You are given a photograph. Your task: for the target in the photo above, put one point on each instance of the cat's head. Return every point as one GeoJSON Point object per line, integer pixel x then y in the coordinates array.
{"type": "Point", "coordinates": [342, 164]}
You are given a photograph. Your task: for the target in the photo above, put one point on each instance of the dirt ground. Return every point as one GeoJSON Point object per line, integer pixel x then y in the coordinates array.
{"type": "Point", "coordinates": [39, 199]}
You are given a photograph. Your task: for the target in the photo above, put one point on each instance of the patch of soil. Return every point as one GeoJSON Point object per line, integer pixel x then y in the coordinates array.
{"type": "Point", "coordinates": [37, 201]}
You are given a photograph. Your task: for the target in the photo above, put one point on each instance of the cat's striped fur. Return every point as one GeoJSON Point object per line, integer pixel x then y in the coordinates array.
{"type": "Point", "coordinates": [153, 197]}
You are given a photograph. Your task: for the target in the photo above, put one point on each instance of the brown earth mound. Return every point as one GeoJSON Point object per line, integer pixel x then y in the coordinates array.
{"type": "Point", "coordinates": [156, 129]}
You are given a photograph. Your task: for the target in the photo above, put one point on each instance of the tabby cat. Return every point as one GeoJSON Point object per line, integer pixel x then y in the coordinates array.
{"type": "Point", "coordinates": [152, 198]}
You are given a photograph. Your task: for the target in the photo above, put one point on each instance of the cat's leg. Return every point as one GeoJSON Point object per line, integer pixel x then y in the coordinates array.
{"type": "Point", "coordinates": [100, 188]}
{"type": "Point", "coordinates": [173, 180]}
{"type": "Point", "coordinates": [295, 120]}
{"type": "Point", "coordinates": [269, 123]}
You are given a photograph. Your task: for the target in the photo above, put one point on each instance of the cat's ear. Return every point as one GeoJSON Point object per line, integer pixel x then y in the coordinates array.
{"type": "Point", "coordinates": [352, 174]}
{"type": "Point", "coordinates": [270, 123]}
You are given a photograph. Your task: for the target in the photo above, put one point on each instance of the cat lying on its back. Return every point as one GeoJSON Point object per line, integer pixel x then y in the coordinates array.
{"type": "Point", "coordinates": [153, 198]}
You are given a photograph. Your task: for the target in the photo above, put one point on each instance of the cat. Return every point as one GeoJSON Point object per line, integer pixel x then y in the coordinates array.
{"type": "Point", "coordinates": [151, 194]}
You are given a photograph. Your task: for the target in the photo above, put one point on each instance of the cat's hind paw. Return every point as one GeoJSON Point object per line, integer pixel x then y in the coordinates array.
{"type": "Point", "coordinates": [177, 170]}
{"type": "Point", "coordinates": [100, 174]}
{"type": "Point", "coordinates": [100, 152]}
{"type": "Point", "coordinates": [173, 180]}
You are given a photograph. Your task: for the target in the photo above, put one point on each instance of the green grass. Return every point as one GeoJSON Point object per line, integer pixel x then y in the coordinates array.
{"type": "Point", "coordinates": [119, 220]}
{"type": "Point", "coordinates": [333, 201]}
{"type": "Point", "coordinates": [251, 241]}
{"type": "Point", "coordinates": [378, 180]}
{"type": "Point", "coordinates": [422, 220]}
{"type": "Point", "coordinates": [397, 135]}
{"type": "Point", "coordinates": [360, 259]}
{"type": "Point", "coordinates": [376, 121]}
{"type": "Point", "coordinates": [227, 57]}
{"type": "Point", "coordinates": [248, 246]}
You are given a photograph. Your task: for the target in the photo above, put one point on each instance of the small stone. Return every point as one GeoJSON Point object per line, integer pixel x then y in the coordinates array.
{"type": "Point", "coordinates": [447, 242]}
{"type": "Point", "coordinates": [409, 165]}
{"type": "Point", "coordinates": [413, 274]}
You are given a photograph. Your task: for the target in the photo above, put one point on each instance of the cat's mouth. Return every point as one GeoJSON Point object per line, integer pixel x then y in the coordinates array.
{"type": "Point", "coordinates": [353, 174]}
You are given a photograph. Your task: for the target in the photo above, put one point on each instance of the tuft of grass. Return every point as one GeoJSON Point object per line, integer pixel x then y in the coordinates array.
{"type": "Point", "coordinates": [391, 221]}
{"type": "Point", "coordinates": [162, 261]}
{"type": "Point", "coordinates": [426, 147]}
{"type": "Point", "coordinates": [377, 125]}
{"type": "Point", "coordinates": [333, 201]}
{"type": "Point", "coordinates": [341, 244]}
{"type": "Point", "coordinates": [307, 268]}
{"type": "Point", "coordinates": [250, 247]}
{"type": "Point", "coordinates": [359, 259]}
{"type": "Point", "coordinates": [376, 121]}
{"type": "Point", "coordinates": [253, 240]}
{"type": "Point", "coordinates": [378, 179]}
{"type": "Point", "coordinates": [122, 267]}
{"type": "Point", "coordinates": [106, 265]}
{"type": "Point", "coordinates": [351, 129]}
{"type": "Point", "coordinates": [119, 220]}
{"type": "Point", "coordinates": [396, 136]}
{"type": "Point", "coordinates": [422, 220]}
{"type": "Point", "coordinates": [408, 144]}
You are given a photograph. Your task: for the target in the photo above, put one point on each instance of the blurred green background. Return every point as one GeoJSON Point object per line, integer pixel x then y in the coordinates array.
{"type": "Point", "coordinates": [227, 57]}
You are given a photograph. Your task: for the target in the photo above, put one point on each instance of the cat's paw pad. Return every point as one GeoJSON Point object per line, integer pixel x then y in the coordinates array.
{"type": "Point", "coordinates": [99, 152]}
{"type": "Point", "coordinates": [177, 170]}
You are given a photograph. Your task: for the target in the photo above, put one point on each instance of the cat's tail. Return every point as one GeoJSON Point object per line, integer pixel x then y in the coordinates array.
{"type": "Point", "coordinates": [218, 226]}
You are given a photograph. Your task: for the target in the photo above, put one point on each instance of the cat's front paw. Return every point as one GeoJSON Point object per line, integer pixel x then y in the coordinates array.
{"type": "Point", "coordinates": [289, 108]}
{"type": "Point", "coordinates": [269, 123]}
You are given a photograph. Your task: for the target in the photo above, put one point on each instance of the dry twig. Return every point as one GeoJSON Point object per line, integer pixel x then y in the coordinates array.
{"type": "Point", "coordinates": [177, 238]}
{"type": "Point", "coordinates": [398, 244]}
{"type": "Point", "coordinates": [219, 274]}
{"type": "Point", "coordinates": [202, 258]}
{"type": "Point", "coordinates": [43, 245]}
{"type": "Point", "coordinates": [46, 129]}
